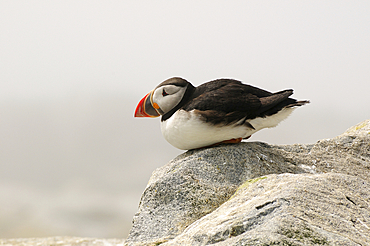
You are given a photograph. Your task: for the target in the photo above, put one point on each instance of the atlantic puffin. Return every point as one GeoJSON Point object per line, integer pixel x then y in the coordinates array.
{"type": "Point", "coordinates": [219, 111]}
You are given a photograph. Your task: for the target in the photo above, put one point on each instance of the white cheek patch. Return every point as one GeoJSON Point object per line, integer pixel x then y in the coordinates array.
{"type": "Point", "coordinates": [168, 102]}
{"type": "Point", "coordinates": [171, 89]}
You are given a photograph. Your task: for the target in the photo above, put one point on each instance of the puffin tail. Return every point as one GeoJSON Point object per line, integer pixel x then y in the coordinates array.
{"type": "Point", "coordinates": [277, 101]}
{"type": "Point", "coordinates": [297, 104]}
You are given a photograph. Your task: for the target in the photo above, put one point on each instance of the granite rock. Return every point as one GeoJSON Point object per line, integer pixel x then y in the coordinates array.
{"type": "Point", "coordinates": [61, 241]}
{"type": "Point", "coordinates": [196, 183]}
{"type": "Point", "coordinates": [348, 153]}
{"type": "Point", "coordinates": [254, 194]}
{"type": "Point", "coordinates": [288, 209]}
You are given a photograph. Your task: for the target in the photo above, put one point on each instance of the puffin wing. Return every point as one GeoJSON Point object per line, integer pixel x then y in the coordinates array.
{"type": "Point", "coordinates": [227, 101]}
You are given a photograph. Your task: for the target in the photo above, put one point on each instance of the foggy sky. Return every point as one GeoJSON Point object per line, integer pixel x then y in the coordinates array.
{"type": "Point", "coordinates": [72, 73]}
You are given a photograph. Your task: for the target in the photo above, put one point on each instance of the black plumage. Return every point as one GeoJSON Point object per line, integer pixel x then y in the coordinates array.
{"type": "Point", "coordinates": [227, 101]}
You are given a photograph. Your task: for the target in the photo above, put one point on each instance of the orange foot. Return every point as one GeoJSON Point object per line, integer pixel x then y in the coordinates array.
{"type": "Point", "coordinates": [230, 141]}
{"type": "Point", "coordinates": [234, 140]}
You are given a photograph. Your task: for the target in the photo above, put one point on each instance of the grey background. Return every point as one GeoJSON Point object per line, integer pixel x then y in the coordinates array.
{"type": "Point", "coordinates": [73, 159]}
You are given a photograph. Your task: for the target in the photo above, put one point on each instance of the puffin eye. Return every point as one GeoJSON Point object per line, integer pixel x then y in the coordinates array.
{"type": "Point", "coordinates": [164, 93]}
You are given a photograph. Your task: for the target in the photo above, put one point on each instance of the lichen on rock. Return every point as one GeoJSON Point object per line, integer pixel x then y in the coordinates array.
{"type": "Point", "coordinates": [255, 194]}
{"type": "Point", "coordinates": [259, 194]}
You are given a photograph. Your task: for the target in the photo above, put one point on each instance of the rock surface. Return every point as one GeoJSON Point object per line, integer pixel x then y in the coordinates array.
{"type": "Point", "coordinates": [195, 185]}
{"type": "Point", "coordinates": [61, 241]}
{"type": "Point", "coordinates": [288, 209]}
{"type": "Point", "coordinates": [254, 194]}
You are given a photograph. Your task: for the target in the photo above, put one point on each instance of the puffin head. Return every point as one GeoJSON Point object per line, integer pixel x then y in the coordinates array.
{"type": "Point", "coordinates": [163, 98]}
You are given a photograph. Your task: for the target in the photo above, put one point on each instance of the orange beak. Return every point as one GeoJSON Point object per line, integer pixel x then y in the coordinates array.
{"type": "Point", "coordinates": [146, 108]}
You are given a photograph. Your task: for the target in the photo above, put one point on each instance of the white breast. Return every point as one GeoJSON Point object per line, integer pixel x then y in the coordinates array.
{"type": "Point", "coordinates": [185, 130]}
